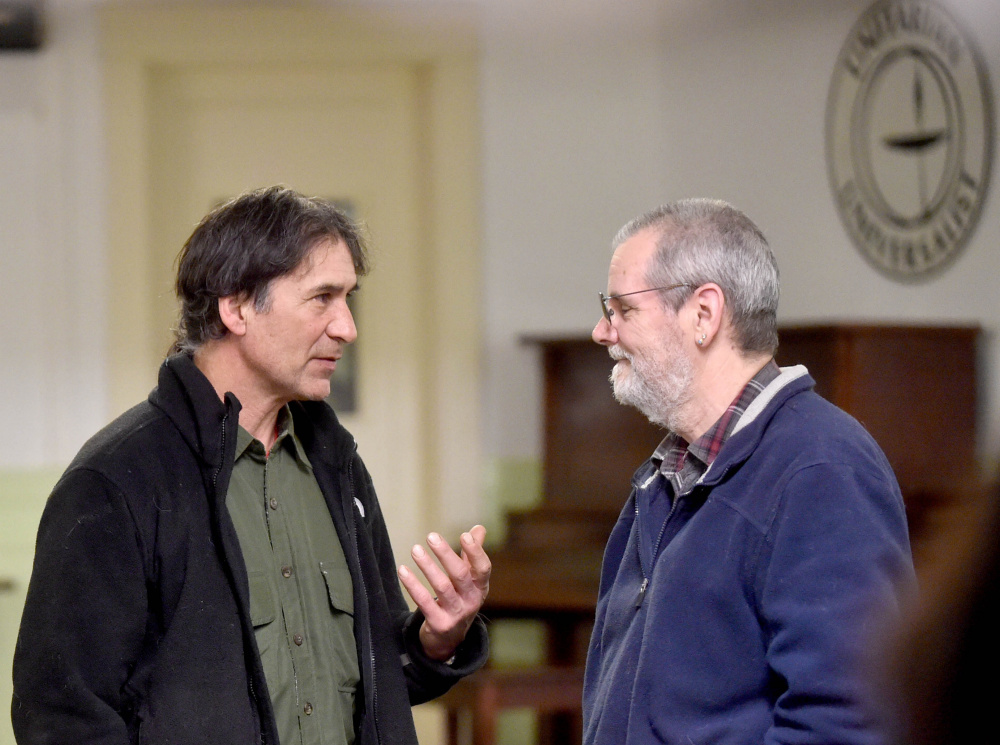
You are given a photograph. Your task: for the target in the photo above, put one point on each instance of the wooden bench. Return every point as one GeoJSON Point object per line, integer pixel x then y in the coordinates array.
{"type": "Point", "coordinates": [483, 695]}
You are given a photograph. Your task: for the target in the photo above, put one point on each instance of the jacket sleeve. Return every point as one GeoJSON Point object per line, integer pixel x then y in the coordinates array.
{"type": "Point", "coordinates": [83, 620]}
{"type": "Point", "coordinates": [425, 678]}
{"type": "Point", "coordinates": [839, 552]}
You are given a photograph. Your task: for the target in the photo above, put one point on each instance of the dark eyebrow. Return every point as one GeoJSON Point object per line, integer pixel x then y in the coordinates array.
{"type": "Point", "coordinates": [335, 289]}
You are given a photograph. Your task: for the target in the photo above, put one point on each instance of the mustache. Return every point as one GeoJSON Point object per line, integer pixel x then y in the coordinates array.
{"type": "Point", "coordinates": [617, 353]}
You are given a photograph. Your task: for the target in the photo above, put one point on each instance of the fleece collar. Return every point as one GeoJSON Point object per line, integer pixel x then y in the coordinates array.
{"type": "Point", "coordinates": [190, 401]}
{"type": "Point", "coordinates": [750, 428]}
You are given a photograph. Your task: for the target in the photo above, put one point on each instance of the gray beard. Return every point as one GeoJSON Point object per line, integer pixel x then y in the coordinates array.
{"type": "Point", "coordinates": [658, 391]}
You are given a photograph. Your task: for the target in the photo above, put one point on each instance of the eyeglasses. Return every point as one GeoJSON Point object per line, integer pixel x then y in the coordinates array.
{"type": "Point", "coordinates": [605, 299]}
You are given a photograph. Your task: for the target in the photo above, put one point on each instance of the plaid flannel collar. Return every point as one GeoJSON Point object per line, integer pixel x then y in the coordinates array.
{"type": "Point", "coordinates": [671, 455]}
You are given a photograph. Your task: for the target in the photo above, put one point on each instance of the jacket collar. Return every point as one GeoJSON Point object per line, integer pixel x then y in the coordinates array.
{"type": "Point", "coordinates": [787, 377]}
{"type": "Point", "coordinates": [190, 401]}
{"type": "Point", "coordinates": [324, 438]}
{"type": "Point", "coordinates": [751, 427]}
{"type": "Point", "coordinates": [748, 431]}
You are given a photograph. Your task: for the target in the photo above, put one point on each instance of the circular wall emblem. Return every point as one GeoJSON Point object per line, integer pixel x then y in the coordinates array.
{"type": "Point", "coordinates": [909, 137]}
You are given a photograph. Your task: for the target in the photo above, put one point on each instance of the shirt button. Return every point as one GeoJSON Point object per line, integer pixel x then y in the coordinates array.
{"type": "Point", "coordinates": [308, 708]}
{"type": "Point", "coordinates": [286, 572]}
{"type": "Point", "coordinates": [274, 503]}
{"type": "Point", "coordinates": [298, 640]}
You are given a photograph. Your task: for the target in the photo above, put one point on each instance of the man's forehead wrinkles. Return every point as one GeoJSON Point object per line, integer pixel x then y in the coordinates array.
{"type": "Point", "coordinates": [626, 273]}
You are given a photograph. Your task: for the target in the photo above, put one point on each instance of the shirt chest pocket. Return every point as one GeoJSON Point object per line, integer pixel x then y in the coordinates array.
{"type": "Point", "coordinates": [263, 601]}
{"type": "Point", "coordinates": [340, 640]}
{"type": "Point", "coordinates": [264, 612]}
{"type": "Point", "coordinates": [339, 588]}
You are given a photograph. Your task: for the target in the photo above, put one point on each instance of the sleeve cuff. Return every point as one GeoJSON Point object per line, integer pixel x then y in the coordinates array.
{"type": "Point", "coordinates": [470, 655]}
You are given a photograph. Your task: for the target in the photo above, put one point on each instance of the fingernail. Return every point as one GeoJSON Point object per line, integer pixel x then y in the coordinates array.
{"type": "Point", "coordinates": [418, 551]}
{"type": "Point", "coordinates": [403, 571]}
{"type": "Point", "coordinates": [467, 539]}
{"type": "Point", "coordinates": [434, 539]}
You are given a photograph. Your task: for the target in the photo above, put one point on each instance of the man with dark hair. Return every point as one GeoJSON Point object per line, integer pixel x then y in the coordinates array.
{"type": "Point", "coordinates": [213, 567]}
{"type": "Point", "coordinates": [762, 534]}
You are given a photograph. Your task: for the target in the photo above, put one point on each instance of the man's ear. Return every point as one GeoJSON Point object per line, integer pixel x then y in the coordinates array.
{"type": "Point", "coordinates": [234, 311]}
{"type": "Point", "coordinates": [709, 307]}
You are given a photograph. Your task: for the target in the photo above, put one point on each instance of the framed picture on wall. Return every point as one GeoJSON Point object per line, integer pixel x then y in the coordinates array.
{"type": "Point", "coordinates": [343, 384]}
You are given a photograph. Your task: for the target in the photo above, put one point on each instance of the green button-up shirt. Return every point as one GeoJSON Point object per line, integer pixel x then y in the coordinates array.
{"type": "Point", "coordinates": [301, 598]}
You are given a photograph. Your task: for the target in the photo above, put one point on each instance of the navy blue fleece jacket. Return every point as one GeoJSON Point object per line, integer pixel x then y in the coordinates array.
{"type": "Point", "coordinates": [759, 608]}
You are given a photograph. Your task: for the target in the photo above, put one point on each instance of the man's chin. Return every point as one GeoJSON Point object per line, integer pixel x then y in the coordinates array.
{"type": "Point", "coordinates": [317, 391]}
{"type": "Point", "coordinates": [627, 395]}
{"type": "Point", "coordinates": [622, 391]}
{"type": "Point", "coordinates": [620, 374]}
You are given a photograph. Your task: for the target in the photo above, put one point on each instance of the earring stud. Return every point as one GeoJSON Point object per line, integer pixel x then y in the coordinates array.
{"type": "Point", "coordinates": [701, 341]}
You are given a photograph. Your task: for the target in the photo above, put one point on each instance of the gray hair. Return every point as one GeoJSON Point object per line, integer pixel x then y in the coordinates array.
{"type": "Point", "coordinates": [708, 240]}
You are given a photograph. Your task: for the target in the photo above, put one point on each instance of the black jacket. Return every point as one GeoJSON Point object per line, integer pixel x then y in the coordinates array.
{"type": "Point", "coordinates": [137, 625]}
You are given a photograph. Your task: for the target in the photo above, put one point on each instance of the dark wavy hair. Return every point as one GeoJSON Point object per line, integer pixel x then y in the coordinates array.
{"type": "Point", "coordinates": [240, 247]}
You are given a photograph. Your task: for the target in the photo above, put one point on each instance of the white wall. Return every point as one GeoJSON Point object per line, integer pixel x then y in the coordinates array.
{"type": "Point", "coordinates": [573, 111]}
{"type": "Point", "coordinates": [52, 378]}
{"type": "Point", "coordinates": [52, 386]}
{"type": "Point", "coordinates": [585, 130]}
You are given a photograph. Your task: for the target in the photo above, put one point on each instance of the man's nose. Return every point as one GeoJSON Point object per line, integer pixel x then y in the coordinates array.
{"type": "Point", "coordinates": [342, 327]}
{"type": "Point", "coordinates": [604, 333]}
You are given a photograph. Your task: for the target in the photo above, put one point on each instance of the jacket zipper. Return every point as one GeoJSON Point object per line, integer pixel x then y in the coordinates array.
{"type": "Point", "coordinates": [215, 490]}
{"type": "Point", "coordinates": [641, 595]}
{"type": "Point", "coordinates": [364, 589]}
{"type": "Point", "coordinates": [215, 476]}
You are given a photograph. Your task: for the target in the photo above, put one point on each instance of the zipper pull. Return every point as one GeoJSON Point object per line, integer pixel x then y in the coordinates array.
{"type": "Point", "coordinates": [642, 592]}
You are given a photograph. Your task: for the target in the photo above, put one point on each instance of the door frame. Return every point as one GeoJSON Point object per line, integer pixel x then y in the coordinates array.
{"type": "Point", "coordinates": [137, 41]}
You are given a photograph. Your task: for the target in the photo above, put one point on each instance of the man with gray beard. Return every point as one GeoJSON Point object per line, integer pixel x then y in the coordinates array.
{"type": "Point", "coordinates": [762, 534]}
